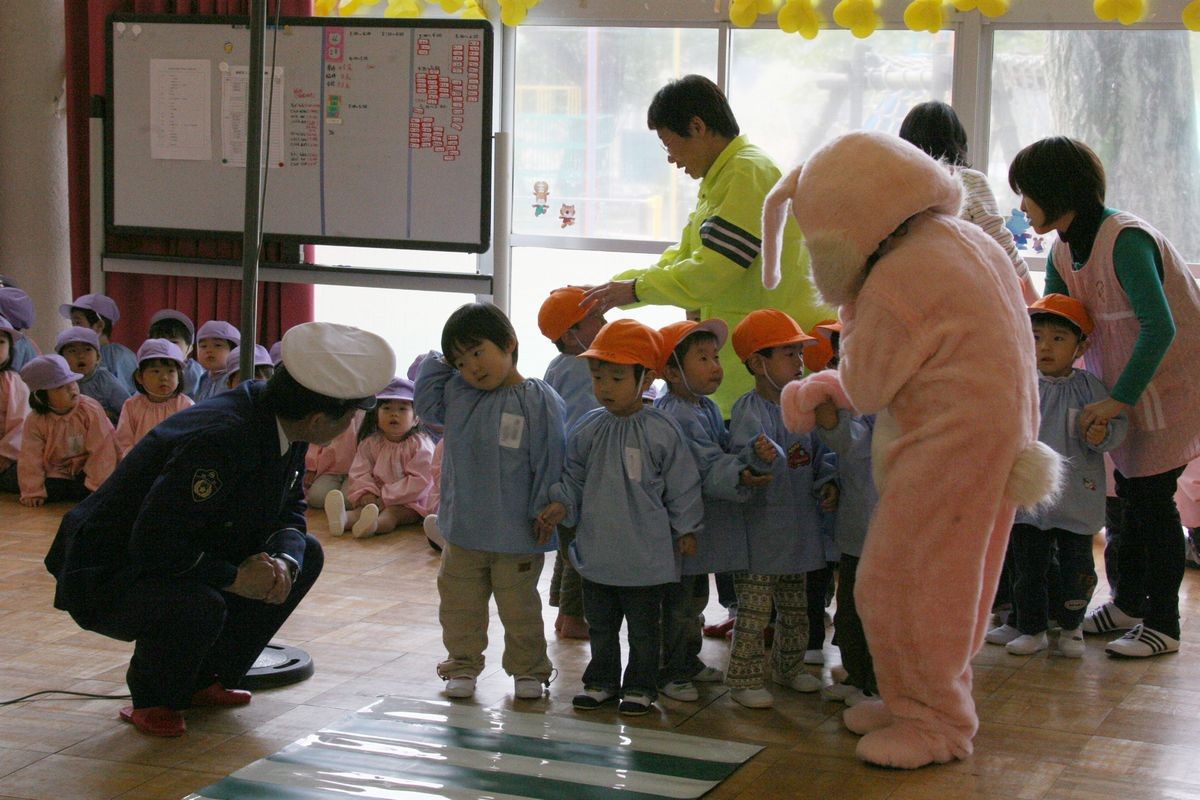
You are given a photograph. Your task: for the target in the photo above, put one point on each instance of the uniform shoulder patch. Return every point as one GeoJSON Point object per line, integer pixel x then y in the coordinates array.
{"type": "Point", "coordinates": [205, 484]}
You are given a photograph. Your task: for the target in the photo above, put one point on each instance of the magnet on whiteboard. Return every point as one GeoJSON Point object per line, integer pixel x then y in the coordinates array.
{"type": "Point", "coordinates": [120, 27]}
{"type": "Point", "coordinates": [223, 66]}
{"type": "Point", "coordinates": [137, 31]}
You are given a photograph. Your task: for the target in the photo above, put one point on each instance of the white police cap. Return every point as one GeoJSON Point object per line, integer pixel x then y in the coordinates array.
{"type": "Point", "coordinates": [338, 361]}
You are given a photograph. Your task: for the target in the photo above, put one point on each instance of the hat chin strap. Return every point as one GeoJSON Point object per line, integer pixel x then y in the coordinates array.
{"type": "Point", "coordinates": [683, 375]}
{"type": "Point", "coordinates": [767, 375]}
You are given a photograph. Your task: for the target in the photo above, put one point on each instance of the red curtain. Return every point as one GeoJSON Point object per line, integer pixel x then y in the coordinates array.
{"type": "Point", "coordinates": [280, 305]}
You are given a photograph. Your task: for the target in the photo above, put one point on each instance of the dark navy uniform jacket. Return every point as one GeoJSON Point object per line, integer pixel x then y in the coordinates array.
{"type": "Point", "coordinates": [200, 493]}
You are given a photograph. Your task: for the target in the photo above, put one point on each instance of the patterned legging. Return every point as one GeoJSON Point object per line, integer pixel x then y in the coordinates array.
{"type": "Point", "coordinates": [755, 594]}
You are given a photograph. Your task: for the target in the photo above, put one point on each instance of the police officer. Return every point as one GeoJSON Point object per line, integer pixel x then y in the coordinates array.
{"type": "Point", "coordinates": [195, 549]}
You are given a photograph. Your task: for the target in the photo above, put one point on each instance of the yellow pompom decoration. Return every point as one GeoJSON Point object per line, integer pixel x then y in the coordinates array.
{"type": "Point", "coordinates": [1191, 16]}
{"type": "Point", "coordinates": [743, 13]}
{"type": "Point", "coordinates": [402, 9]}
{"type": "Point", "coordinates": [324, 8]}
{"type": "Point", "coordinates": [452, 6]}
{"type": "Point", "coordinates": [989, 8]}
{"type": "Point", "coordinates": [473, 9]}
{"type": "Point", "coordinates": [924, 15]}
{"type": "Point", "coordinates": [348, 7]}
{"type": "Point", "coordinates": [512, 12]}
{"type": "Point", "coordinates": [858, 15]}
{"type": "Point", "coordinates": [1127, 12]}
{"type": "Point", "coordinates": [800, 16]}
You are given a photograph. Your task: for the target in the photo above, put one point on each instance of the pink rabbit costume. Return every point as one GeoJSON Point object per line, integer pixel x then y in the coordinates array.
{"type": "Point", "coordinates": [936, 341]}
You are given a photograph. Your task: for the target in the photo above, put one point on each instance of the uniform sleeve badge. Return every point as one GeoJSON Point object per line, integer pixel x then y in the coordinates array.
{"type": "Point", "coordinates": [205, 484]}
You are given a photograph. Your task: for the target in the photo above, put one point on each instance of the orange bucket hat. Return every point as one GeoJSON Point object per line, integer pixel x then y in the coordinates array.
{"type": "Point", "coordinates": [626, 341]}
{"type": "Point", "coordinates": [818, 355]}
{"type": "Point", "coordinates": [766, 327]}
{"type": "Point", "coordinates": [560, 311]}
{"type": "Point", "coordinates": [676, 332]}
{"type": "Point", "coordinates": [1067, 307]}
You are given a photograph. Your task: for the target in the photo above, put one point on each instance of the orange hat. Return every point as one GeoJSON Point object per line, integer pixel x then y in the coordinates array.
{"type": "Point", "coordinates": [560, 311]}
{"type": "Point", "coordinates": [626, 341]}
{"type": "Point", "coordinates": [818, 354]}
{"type": "Point", "coordinates": [1067, 307]}
{"type": "Point", "coordinates": [766, 327]}
{"type": "Point", "coordinates": [676, 332]}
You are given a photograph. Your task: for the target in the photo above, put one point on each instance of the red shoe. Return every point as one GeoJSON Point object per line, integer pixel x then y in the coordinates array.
{"type": "Point", "coordinates": [217, 695]}
{"type": "Point", "coordinates": [155, 720]}
{"type": "Point", "coordinates": [720, 630]}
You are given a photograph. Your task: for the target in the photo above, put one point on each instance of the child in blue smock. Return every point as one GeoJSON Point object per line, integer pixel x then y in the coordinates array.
{"type": "Point", "coordinates": [632, 490]}
{"type": "Point", "coordinates": [99, 312]}
{"type": "Point", "coordinates": [783, 519]}
{"type": "Point", "coordinates": [214, 340]}
{"type": "Point", "coordinates": [81, 348]}
{"type": "Point", "coordinates": [177, 328]}
{"type": "Point", "coordinates": [572, 327]}
{"type": "Point", "coordinates": [690, 362]}
{"type": "Point", "coordinates": [503, 449]}
{"type": "Point", "coordinates": [1061, 326]}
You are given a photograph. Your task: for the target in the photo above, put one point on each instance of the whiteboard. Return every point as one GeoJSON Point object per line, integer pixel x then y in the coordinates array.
{"type": "Point", "coordinates": [379, 132]}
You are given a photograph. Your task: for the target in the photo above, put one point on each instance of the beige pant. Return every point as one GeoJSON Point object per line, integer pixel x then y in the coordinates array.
{"type": "Point", "coordinates": [466, 580]}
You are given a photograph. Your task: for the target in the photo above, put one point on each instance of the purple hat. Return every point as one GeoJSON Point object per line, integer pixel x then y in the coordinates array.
{"type": "Point", "coordinates": [77, 334]}
{"type": "Point", "coordinates": [261, 358]}
{"type": "Point", "coordinates": [160, 348]}
{"type": "Point", "coordinates": [415, 367]}
{"type": "Point", "coordinates": [170, 313]}
{"type": "Point", "coordinates": [398, 389]}
{"type": "Point", "coordinates": [48, 372]}
{"type": "Point", "coordinates": [219, 329]}
{"type": "Point", "coordinates": [18, 307]}
{"type": "Point", "coordinates": [276, 353]}
{"type": "Point", "coordinates": [8, 327]}
{"type": "Point", "coordinates": [102, 304]}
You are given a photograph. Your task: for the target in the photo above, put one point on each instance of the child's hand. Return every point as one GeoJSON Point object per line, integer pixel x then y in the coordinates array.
{"type": "Point", "coordinates": [686, 545]}
{"type": "Point", "coordinates": [764, 448]}
{"type": "Point", "coordinates": [548, 521]}
{"type": "Point", "coordinates": [751, 478]}
{"type": "Point", "coordinates": [1096, 433]}
{"type": "Point", "coordinates": [32, 502]}
{"type": "Point", "coordinates": [826, 415]}
{"type": "Point", "coordinates": [829, 497]}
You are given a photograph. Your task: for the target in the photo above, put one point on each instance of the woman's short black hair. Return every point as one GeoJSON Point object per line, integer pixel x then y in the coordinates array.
{"type": "Point", "coordinates": [675, 104]}
{"type": "Point", "coordinates": [473, 323]}
{"type": "Point", "coordinates": [287, 398]}
{"type": "Point", "coordinates": [92, 318]}
{"type": "Point", "coordinates": [1060, 174]}
{"type": "Point", "coordinates": [935, 128]}
{"type": "Point", "coordinates": [169, 328]}
{"type": "Point", "coordinates": [158, 362]}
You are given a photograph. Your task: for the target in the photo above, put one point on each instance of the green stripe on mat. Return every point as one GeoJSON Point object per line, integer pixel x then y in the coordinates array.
{"type": "Point", "coordinates": [618, 758]}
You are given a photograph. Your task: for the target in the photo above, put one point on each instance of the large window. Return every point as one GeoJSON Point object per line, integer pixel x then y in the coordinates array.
{"type": "Point", "coordinates": [1131, 95]}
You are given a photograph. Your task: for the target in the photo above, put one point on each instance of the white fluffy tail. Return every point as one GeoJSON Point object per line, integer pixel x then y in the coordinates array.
{"type": "Point", "coordinates": [1036, 478]}
{"type": "Point", "coordinates": [775, 210]}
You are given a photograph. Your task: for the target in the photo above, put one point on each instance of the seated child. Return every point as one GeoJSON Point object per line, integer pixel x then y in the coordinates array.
{"type": "Point", "coordinates": [264, 368]}
{"type": "Point", "coordinates": [690, 363]}
{"type": "Point", "coordinates": [177, 328]}
{"type": "Point", "coordinates": [81, 349]}
{"type": "Point", "coordinates": [159, 392]}
{"type": "Point", "coordinates": [783, 518]}
{"type": "Point", "coordinates": [572, 328]}
{"type": "Point", "coordinates": [631, 489]}
{"type": "Point", "coordinates": [67, 447]}
{"type": "Point", "coordinates": [17, 308]}
{"type": "Point", "coordinates": [14, 406]}
{"type": "Point", "coordinates": [214, 340]}
{"type": "Point", "coordinates": [99, 312]}
{"type": "Point", "coordinates": [1061, 326]}
{"type": "Point", "coordinates": [504, 443]}
{"type": "Point", "coordinates": [391, 478]}
{"type": "Point", "coordinates": [326, 466]}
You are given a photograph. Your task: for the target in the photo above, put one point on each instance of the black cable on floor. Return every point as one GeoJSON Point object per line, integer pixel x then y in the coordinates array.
{"type": "Point", "coordinates": [65, 691]}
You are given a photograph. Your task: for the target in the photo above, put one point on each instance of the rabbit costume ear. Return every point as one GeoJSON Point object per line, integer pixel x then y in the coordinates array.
{"type": "Point", "coordinates": [775, 210]}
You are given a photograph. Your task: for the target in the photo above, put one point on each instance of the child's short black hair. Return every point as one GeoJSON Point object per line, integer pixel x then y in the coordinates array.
{"type": "Point", "coordinates": [639, 370]}
{"type": "Point", "coordinates": [1058, 322]}
{"type": "Point", "coordinates": [766, 352]}
{"type": "Point", "coordinates": [687, 343]}
{"type": "Point", "coordinates": [935, 128]}
{"type": "Point", "coordinates": [7, 363]}
{"type": "Point", "coordinates": [675, 104]}
{"type": "Point", "coordinates": [473, 323]}
{"type": "Point", "coordinates": [92, 318]}
{"type": "Point", "coordinates": [157, 362]}
{"type": "Point", "coordinates": [39, 401]}
{"type": "Point", "coordinates": [169, 328]}
{"type": "Point", "coordinates": [370, 424]}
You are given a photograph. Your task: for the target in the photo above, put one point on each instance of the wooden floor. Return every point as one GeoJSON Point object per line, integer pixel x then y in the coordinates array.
{"type": "Point", "coordinates": [1051, 727]}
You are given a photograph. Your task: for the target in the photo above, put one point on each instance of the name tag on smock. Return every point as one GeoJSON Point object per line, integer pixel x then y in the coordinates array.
{"type": "Point", "coordinates": [512, 426]}
{"type": "Point", "coordinates": [74, 445]}
{"type": "Point", "coordinates": [633, 463]}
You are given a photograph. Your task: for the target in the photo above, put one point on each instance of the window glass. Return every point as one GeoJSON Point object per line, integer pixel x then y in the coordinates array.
{"type": "Point", "coordinates": [1130, 95]}
{"type": "Point", "coordinates": [537, 271]}
{"type": "Point", "coordinates": [580, 130]}
{"type": "Point", "coordinates": [388, 259]}
{"type": "Point", "coordinates": [791, 95]}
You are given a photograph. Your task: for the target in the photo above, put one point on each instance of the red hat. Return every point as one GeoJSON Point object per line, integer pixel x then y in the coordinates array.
{"type": "Point", "coordinates": [676, 332]}
{"type": "Point", "coordinates": [626, 341]}
{"type": "Point", "coordinates": [560, 311]}
{"type": "Point", "coordinates": [766, 327]}
{"type": "Point", "coordinates": [1067, 307]}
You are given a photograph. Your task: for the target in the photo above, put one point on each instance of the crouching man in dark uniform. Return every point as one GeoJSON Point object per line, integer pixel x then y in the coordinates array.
{"type": "Point", "coordinates": [195, 548]}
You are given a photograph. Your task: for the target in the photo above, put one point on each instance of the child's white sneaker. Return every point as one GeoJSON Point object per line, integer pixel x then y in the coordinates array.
{"type": "Point", "coordinates": [837, 692]}
{"type": "Point", "coordinates": [801, 682]}
{"type": "Point", "coordinates": [752, 698]}
{"type": "Point", "coordinates": [1106, 619]}
{"type": "Point", "coordinates": [1002, 635]}
{"type": "Point", "coordinates": [460, 686]}
{"type": "Point", "coordinates": [682, 690]}
{"type": "Point", "coordinates": [709, 675]}
{"type": "Point", "coordinates": [1070, 642]}
{"type": "Point", "coordinates": [1027, 644]}
{"type": "Point", "coordinates": [335, 512]}
{"type": "Point", "coordinates": [433, 534]}
{"type": "Point", "coordinates": [527, 687]}
{"type": "Point", "coordinates": [368, 522]}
